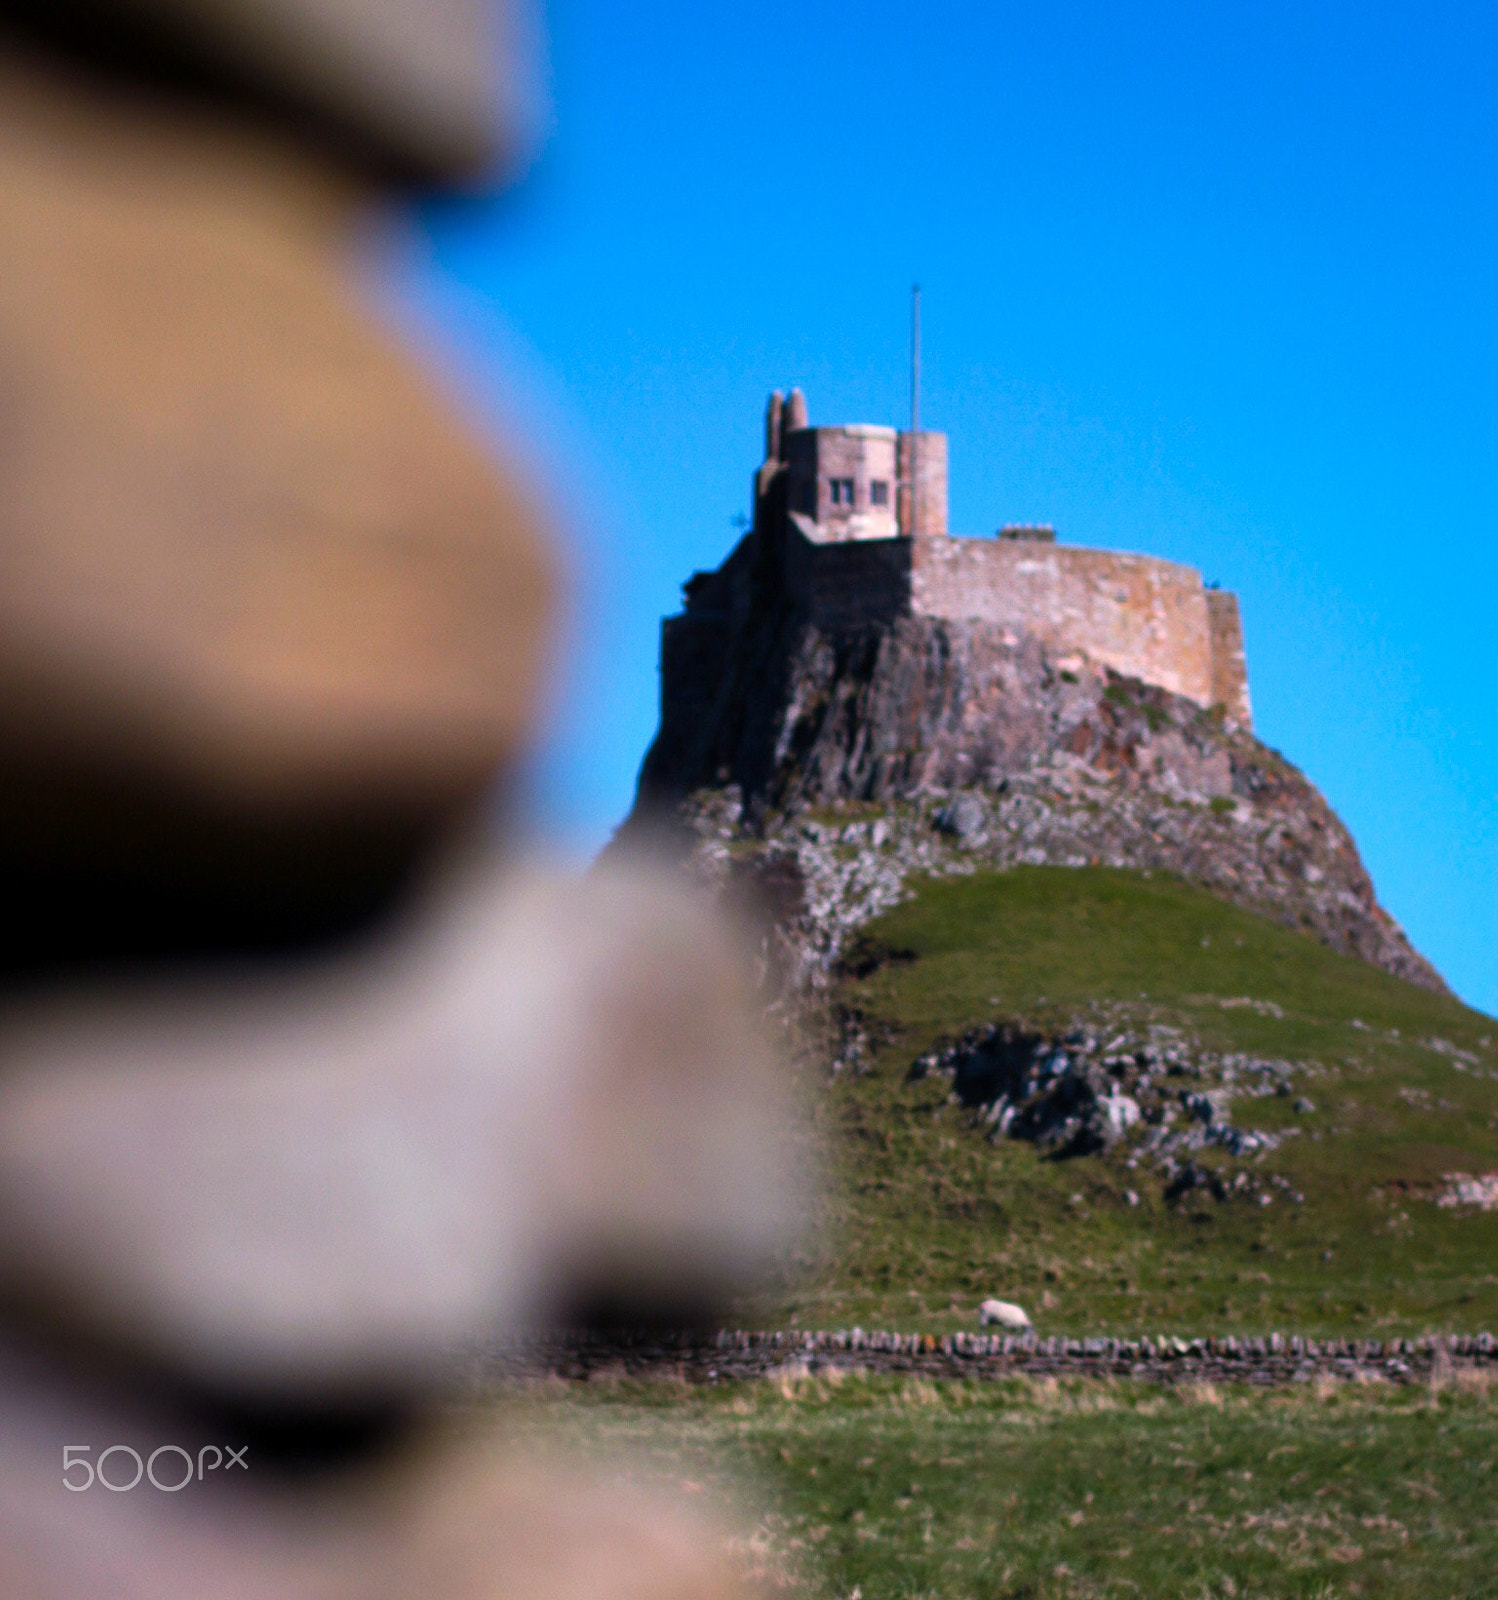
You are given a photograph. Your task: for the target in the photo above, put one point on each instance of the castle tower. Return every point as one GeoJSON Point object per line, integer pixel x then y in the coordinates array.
{"type": "Point", "coordinates": [930, 496]}
{"type": "Point", "coordinates": [840, 482]}
{"type": "Point", "coordinates": [850, 482]}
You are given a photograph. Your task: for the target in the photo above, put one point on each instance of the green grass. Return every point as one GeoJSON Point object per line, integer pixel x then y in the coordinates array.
{"type": "Point", "coordinates": [925, 1217]}
{"type": "Point", "coordinates": [889, 1488]}
{"type": "Point", "coordinates": [892, 1488]}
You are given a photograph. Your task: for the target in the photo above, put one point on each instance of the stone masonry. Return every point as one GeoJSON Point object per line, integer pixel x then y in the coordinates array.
{"type": "Point", "coordinates": [740, 1354]}
{"type": "Point", "coordinates": [834, 524]}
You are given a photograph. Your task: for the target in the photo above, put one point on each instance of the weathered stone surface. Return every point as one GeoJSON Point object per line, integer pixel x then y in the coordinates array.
{"type": "Point", "coordinates": [270, 622]}
{"type": "Point", "coordinates": [1142, 616]}
{"type": "Point", "coordinates": [1145, 1086]}
{"type": "Point", "coordinates": [963, 818]}
{"type": "Point", "coordinates": [268, 615]}
{"type": "Point", "coordinates": [1044, 763]}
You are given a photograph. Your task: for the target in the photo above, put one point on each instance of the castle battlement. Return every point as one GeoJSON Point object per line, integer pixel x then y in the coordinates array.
{"type": "Point", "coordinates": [850, 526]}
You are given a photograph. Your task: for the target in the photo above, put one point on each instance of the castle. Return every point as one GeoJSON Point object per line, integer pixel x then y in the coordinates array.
{"type": "Point", "coordinates": [850, 524]}
{"type": "Point", "coordinates": [855, 696]}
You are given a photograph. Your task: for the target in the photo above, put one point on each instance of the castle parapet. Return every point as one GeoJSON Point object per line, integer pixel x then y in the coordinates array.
{"type": "Point", "coordinates": [1140, 615]}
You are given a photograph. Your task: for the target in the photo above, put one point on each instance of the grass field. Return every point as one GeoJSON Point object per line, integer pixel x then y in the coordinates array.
{"type": "Point", "coordinates": [966, 1491]}
{"type": "Point", "coordinates": [864, 1488]}
{"type": "Point", "coordinates": [925, 1217]}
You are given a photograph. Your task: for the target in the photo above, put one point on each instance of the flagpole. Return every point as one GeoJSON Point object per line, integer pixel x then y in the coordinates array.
{"type": "Point", "coordinates": [915, 404]}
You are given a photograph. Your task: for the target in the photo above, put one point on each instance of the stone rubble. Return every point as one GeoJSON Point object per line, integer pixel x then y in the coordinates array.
{"type": "Point", "coordinates": [1086, 1092]}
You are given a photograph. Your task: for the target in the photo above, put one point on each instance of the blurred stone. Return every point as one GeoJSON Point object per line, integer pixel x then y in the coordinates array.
{"type": "Point", "coordinates": [431, 89]}
{"type": "Point", "coordinates": [964, 818]}
{"type": "Point", "coordinates": [558, 1533]}
{"type": "Point", "coordinates": [463, 1518]}
{"type": "Point", "coordinates": [682, 1182]}
{"type": "Point", "coordinates": [269, 617]}
{"type": "Point", "coordinates": [271, 624]}
{"type": "Point", "coordinates": [314, 1190]}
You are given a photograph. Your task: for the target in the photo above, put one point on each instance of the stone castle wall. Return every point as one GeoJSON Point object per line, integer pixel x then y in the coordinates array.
{"type": "Point", "coordinates": [847, 585]}
{"type": "Point", "coordinates": [862, 456]}
{"type": "Point", "coordinates": [1141, 616]}
{"type": "Point", "coordinates": [1144, 617]}
{"type": "Point", "coordinates": [832, 520]}
{"type": "Point", "coordinates": [1229, 663]}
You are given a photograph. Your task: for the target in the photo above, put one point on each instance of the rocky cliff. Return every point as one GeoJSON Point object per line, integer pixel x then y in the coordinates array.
{"type": "Point", "coordinates": [828, 768]}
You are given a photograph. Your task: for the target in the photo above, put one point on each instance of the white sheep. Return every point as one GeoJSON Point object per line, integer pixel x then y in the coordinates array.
{"type": "Point", "coordinates": [1005, 1314]}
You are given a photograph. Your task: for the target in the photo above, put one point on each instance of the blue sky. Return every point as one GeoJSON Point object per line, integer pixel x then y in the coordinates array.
{"type": "Point", "coordinates": [1214, 283]}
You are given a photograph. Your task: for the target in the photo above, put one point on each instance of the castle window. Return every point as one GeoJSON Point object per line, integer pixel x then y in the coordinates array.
{"type": "Point", "coordinates": [878, 492]}
{"type": "Point", "coordinates": [842, 491]}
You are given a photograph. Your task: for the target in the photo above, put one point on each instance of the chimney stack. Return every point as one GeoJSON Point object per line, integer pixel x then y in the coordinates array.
{"type": "Point", "coordinates": [772, 427]}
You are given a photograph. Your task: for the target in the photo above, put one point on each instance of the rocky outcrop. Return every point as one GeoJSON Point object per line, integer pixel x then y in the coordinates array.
{"type": "Point", "coordinates": [1149, 1092]}
{"type": "Point", "coordinates": [936, 746]}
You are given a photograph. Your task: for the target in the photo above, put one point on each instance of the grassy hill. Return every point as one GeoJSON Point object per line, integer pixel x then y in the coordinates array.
{"type": "Point", "coordinates": [1078, 1490]}
{"type": "Point", "coordinates": [1343, 1231]}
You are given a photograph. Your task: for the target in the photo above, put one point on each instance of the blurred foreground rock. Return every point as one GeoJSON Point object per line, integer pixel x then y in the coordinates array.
{"type": "Point", "coordinates": [269, 617]}
{"type": "Point", "coordinates": [426, 90]}
{"type": "Point", "coordinates": [309, 1189]}
{"type": "Point", "coordinates": [304, 1093]}
{"type": "Point", "coordinates": [461, 1515]}
{"type": "Point", "coordinates": [281, 1213]}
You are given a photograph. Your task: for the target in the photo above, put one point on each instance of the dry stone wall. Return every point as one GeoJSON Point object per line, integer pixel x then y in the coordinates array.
{"type": "Point", "coordinates": [1266, 1360]}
